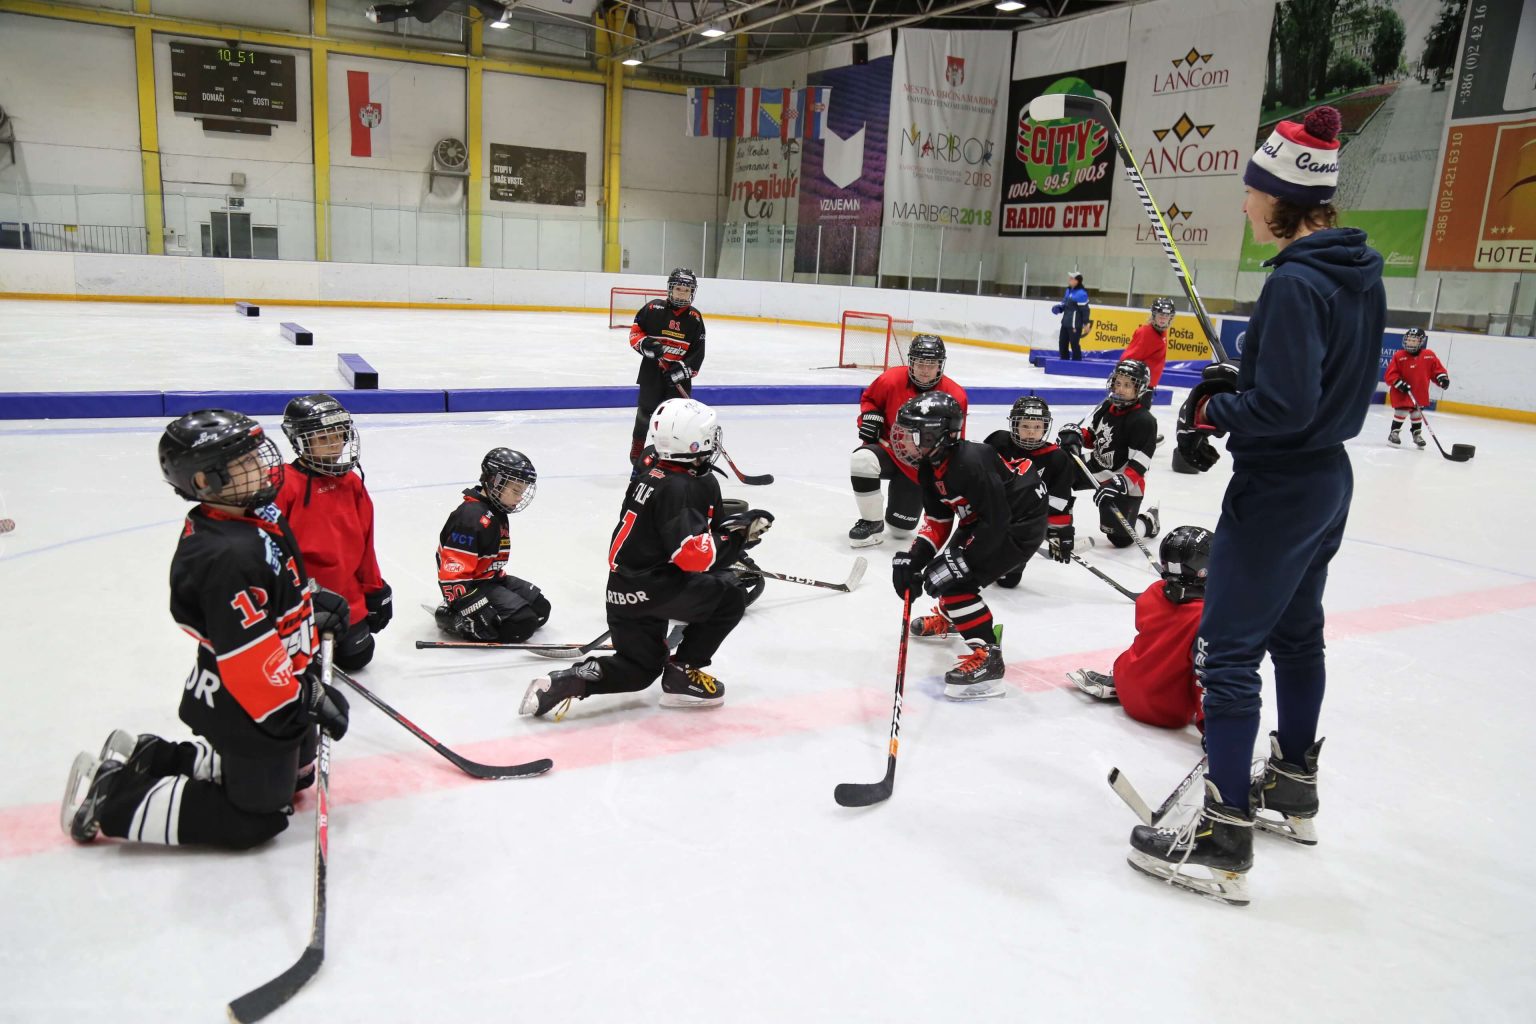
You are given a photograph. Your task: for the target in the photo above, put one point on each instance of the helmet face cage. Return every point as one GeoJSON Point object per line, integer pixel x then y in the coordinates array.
{"type": "Point", "coordinates": [1135, 371]}
{"type": "Point", "coordinates": [1162, 314]}
{"type": "Point", "coordinates": [1414, 340]}
{"type": "Point", "coordinates": [682, 286]}
{"type": "Point", "coordinates": [925, 429]}
{"type": "Point", "coordinates": [327, 443]}
{"type": "Point", "coordinates": [927, 349]}
{"type": "Point", "coordinates": [239, 464]}
{"type": "Point", "coordinates": [1029, 412]}
{"type": "Point", "coordinates": [504, 468]}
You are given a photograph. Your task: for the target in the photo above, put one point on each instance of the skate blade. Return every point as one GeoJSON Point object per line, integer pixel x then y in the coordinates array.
{"type": "Point", "coordinates": [866, 542]}
{"type": "Point", "coordinates": [689, 702]}
{"type": "Point", "coordinates": [81, 774]}
{"type": "Point", "coordinates": [530, 704]}
{"type": "Point", "coordinates": [1229, 887]}
{"type": "Point", "coordinates": [963, 693]}
{"type": "Point", "coordinates": [1098, 691]}
{"type": "Point", "coordinates": [1297, 830]}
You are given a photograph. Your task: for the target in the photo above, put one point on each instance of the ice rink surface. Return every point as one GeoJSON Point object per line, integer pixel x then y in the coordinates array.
{"type": "Point", "coordinates": [692, 866]}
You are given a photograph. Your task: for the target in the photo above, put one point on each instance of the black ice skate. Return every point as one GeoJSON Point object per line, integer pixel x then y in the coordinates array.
{"type": "Point", "coordinates": [1418, 436]}
{"type": "Point", "coordinates": [1095, 684]}
{"type": "Point", "coordinates": [91, 782]}
{"type": "Point", "coordinates": [1218, 838]}
{"type": "Point", "coordinates": [555, 691]}
{"type": "Point", "coordinates": [931, 627]}
{"type": "Point", "coordinates": [1290, 791]}
{"type": "Point", "coordinates": [683, 686]}
{"type": "Point", "coordinates": [1395, 435]}
{"type": "Point", "coordinates": [866, 533]}
{"type": "Point", "coordinates": [1150, 522]}
{"type": "Point", "coordinates": [979, 674]}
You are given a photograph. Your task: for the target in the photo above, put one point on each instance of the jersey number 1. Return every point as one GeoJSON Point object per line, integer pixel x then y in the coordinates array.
{"type": "Point", "coordinates": [619, 538]}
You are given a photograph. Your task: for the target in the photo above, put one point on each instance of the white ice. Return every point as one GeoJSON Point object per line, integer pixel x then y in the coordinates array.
{"type": "Point", "coordinates": [682, 866]}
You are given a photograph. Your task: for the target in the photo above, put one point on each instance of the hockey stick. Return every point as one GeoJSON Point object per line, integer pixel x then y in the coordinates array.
{"type": "Point", "coordinates": [746, 478]}
{"type": "Point", "coordinates": [863, 794]}
{"type": "Point", "coordinates": [1124, 523]}
{"type": "Point", "coordinates": [1054, 107]}
{"type": "Point", "coordinates": [857, 574]}
{"type": "Point", "coordinates": [1127, 792]}
{"type": "Point", "coordinates": [262, 1000]}
{"type": "Point", "coordinates": [559, 652]}
{"type": "Point", "coordinates": [468, 767]}
{"type": "Point", "coordinates": [1045, 550]}
{"type": "Point", "coordinates": [1458, 452]}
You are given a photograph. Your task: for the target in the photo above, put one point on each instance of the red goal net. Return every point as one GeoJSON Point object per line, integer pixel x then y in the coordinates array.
{"type": "Point", "coordinates": [624, 303]}
{"type": "Point", "coordinates": [874, 341]}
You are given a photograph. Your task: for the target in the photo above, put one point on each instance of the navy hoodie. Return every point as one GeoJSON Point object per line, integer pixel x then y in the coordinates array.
{"type": "Point", "coordinates": [1312, 354]}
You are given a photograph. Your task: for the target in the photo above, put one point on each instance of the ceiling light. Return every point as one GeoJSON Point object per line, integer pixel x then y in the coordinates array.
{"type": "Point", "coordinates": [1009, 5]}
{"type": "Point", "coordinates": [632, 62]}
{"type": "Point", "coordinates": [712, 32]}
{"type": "Point", "coordinates": [501, 22]}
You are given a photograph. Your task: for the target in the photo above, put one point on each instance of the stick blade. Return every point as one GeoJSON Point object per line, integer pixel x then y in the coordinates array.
{"type": "Point", "coordinates": [756, 481]}
{"type": "Point", "coordinates": [261, 1001]}
{"type": "Point", "coordinates": [855, 577]}
{"type": "Point", "coordinates": [862, 794]}
{"type": "Point", "coordinates": [495, 772]}
{"type": "Point", "coordinates": [1052, 107]}
{"type": "Point", "coordinates": [1127, 792]}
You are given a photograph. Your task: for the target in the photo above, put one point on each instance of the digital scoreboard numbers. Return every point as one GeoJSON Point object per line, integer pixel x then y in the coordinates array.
{"type": "Point", "coordinates": [229, 82]}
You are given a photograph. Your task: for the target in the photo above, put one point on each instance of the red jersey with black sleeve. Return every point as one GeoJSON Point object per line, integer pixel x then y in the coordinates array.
{"type": "Point", "coordinates": [680, 331]}
{"type": "Point", "coordinates": [332, 517]}
{"type": "Point", "coordinates": [1155, 679]}
{"type": "Point", "coordinates": [239, 589]}
{"type": "Point", "coordinates": [1418, 370]}
{"type": "Point", "coordinates": [994, 503]}
{"type": "Point", "coordinates": [886, 395]}
{"type": "Point", "coordinates": [665, 528]}
{"type": "Point", "coordinates": [472, 548]}
{"type": "Point", "coordinates": [1150, 346]}
{"type": "Point", "coordinates": [1056, 469]}
{"type": "Point", "coordinates": [1122, 439]}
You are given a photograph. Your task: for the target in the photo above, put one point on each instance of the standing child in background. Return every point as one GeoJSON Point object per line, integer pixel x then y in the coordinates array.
{"type": "Point", "coordinates": [332, 517]}
{"type": "Point", "coordinates": [669, 335]}
{"type": "Point", "coordinates": [1409, 374]}
{"type": "Point", "coordinates": [1073, 310]}
{"type": "Point", "coordinates": [1025, 443]}
{"type": "Point", "coordinates": [481, 601]}
{"type": "Point", "coordinates": [1154, 679]}
{"type": "Point", "coordinates": [1149, 344]}
{"type": "Point", "coordinates": [1124, 438]}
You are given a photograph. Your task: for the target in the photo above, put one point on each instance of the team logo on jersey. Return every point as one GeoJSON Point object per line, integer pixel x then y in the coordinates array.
{"type": "Point", "coordinates": [485, 520]}
{"type": "Point", "coordinates": [674, 326]}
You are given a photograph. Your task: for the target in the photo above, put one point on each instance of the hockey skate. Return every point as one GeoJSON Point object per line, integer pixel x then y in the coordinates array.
{"type": "Point", "coordinates": [931, 627]}
{"type": "Point", "coordinates": [1289, 790]}
{"type": "Point", "coordinates": [683, 686]}
{"type": "Point", "coordinates": [979, 674]}
{"type": "Point", "coordinates": [1418, 437]}
{"type": "Point", "coordinates": [1095, 684]}
{"type": "Point", "coordinates": [1394, 436]}
{"type": "Point", "coordinates": [91, 781]}
{"type": "Point", "coordinates": [555, 691]}
{"type": "Point", "coordinates": [866, 533]}
{"type": "Point", "coordinates": [1151, 522]}
{"type": "Point", "coordinates": [1217, 838]}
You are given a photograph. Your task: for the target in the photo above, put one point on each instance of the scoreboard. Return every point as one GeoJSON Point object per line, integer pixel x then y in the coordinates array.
{"type": "Point", "coordinates": [228, 82]}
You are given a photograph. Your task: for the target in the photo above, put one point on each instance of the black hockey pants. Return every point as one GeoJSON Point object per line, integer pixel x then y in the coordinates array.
{"type": "Point", "coordinates": [711, 603]}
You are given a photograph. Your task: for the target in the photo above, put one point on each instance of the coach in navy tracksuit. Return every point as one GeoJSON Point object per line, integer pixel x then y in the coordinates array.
{"type": "Point", "coordinates": [1309, 367]}
{"type": "Point", "coordinates": [1074, 312]}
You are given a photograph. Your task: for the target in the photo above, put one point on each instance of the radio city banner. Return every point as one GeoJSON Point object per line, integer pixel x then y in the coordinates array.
{"type": "Point", "coordinates": [842, 174]}
{"type": "Point", "coordinates": [1192, 97]}
{"type": "Point", "coordinates": [947, 118]}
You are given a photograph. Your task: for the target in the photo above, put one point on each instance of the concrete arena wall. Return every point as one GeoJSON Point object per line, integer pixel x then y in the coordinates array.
{"type": "Point", "coordinates": [1489, 374]}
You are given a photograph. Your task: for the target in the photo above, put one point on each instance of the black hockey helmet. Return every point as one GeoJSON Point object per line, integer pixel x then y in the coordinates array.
{"type": "Point", "coordinates": [1137, 373]}
{"type": "Point", "coordinates": [927, 427]}
{"type": "Point", "coordinates": [1030, 409]}
{"type": "Point", "coordinates": [1162, 310]}
{"type": "Point", "coordinates": [503, 466]}
{"type": "Point", "coordinates": [321, 432]}
{"type": "Point", "coordinates": [241, 465]}
{"type": "Point", "coordinates": [929, 347]}
{"type": "Point", "coordinates": [682, 277]}
{"type": "Point", "coordinates": [1186, 557]}
{"type": "Point", "coordinates": [1414, 340]}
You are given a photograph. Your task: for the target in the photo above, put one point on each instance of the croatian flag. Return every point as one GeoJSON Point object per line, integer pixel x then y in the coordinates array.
{"type": "Point", "coordinates": [365, 104]}
{"type": "Point", "coordinates": [813, 112]}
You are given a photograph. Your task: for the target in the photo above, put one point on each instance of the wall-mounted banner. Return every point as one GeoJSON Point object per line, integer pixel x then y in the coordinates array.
{"type": "Point", "coordinates": [1058, 176]}
{"type": "Point", "coordinates": [524, 174]}
{"type": "Point", "coordinates": [843, 175]}
{"type": "Point", "coordinates": [749, 112]}
{"type": "Point", "coordinates": [366, 105]}
{"type": "Point", "coordinates": [947, 120]}
{"type": "Point", "coordinates": [1484, 213]}
{"type": "Point", "coordinates": [764, 191]}
{"type": "Point", "coordinates": [1112, 329]}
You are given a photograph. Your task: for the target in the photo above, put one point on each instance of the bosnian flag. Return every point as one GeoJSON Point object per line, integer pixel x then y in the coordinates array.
{"type": "Point", "coordinates": [365, 103]}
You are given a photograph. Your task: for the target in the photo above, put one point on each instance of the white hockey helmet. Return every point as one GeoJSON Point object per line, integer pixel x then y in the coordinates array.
{"type": "Point", "coordinates": [683, 430]}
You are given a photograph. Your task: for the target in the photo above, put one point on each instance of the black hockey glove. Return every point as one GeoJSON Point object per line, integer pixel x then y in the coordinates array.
{"type": "Point", "coordinates": [1061, 539]}
{"type": "Point", "coordinates": [475, 618]}
{"type": "Point", "coordinates": [742, 531]}
{"type": "Point", "coordinates": [1194, 436]}
{"type": "Point", "coordinates": [331, 612]}
{"type": "Point", "coordinates": [1402, 385]}
{"type": "Point", "coordinates": [651, 348]}
{"type": "Point", "coordinates": [1117, 486]}
{"type": "Point", "coordinates": [678, 374]}
{"type": "Point", "coordinates": [947, 573]}
{"type": "Point", "coordinates": [1070, 438]}
{"type": "Point", "coordinates": [381, 608]}
{"type": "Point", "coordinates": [1443, 381]}
{"type": "Point", "coordinates": [907, 568]}
{"type": "Point", "coordinates": [323, 705]}
{"type": "Point", "coordinates": [870, 425]}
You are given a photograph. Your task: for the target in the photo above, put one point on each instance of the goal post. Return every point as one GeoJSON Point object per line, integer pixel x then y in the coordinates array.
{"type": "Point", "coordinates": [624, 303]}
{"type": "Point", "coordinates": [873, 341]}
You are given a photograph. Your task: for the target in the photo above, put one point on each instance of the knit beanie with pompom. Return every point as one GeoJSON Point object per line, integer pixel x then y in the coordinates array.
{"type": "Point", "coordinates": [1299, 162]}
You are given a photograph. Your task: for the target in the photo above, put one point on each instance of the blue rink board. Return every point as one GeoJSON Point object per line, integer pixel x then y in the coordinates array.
{"type": "Point", "coordinates": [43, 405]}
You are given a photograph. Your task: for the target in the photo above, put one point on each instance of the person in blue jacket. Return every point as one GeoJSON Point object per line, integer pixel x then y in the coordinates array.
{"type": "Point", "coordinates": [1073, 310]}
{"type": "Point", "coordinates": [1309, 367]}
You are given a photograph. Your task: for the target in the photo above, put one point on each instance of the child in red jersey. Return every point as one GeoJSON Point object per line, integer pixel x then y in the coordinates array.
{"type": "Point", "coordinates": [1409, 375]}
{"type": "Point", "coordinates": [1154, 679]}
